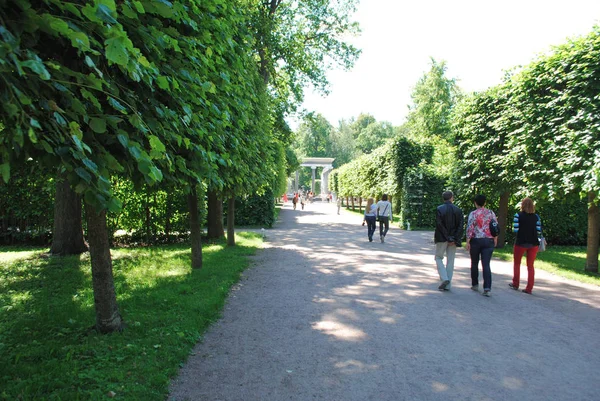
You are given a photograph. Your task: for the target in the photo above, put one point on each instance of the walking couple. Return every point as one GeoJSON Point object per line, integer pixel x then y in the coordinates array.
{"type": "Point", "coordinates": [381, 210]}
{"type": "Point", "coordinates": [480, 241]}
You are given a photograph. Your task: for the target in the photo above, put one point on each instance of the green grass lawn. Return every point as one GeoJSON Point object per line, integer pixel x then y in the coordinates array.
{"type": "Point", "coordinates": [565, 261]}
{"type": "Point", "coordinates": [48, 349]}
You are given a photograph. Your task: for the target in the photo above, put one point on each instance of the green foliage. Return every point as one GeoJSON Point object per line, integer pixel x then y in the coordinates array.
{"type": "Point", "coordinates": [46, 305]}
{"type": "Point", "coordinates": [373, 136]}
{"type": "Point", "coordinates": [255, 210]}
{"type": "Point", "coordinates": [26, 206]}
{"type": "Point", "coordinates": [559, 104]}
{"type": "Point", "coordinates": [421, 195]}
{"type": "Point", "coordinates": [313, 136]}
{"type": "Point", "coordinates": [140, 89]}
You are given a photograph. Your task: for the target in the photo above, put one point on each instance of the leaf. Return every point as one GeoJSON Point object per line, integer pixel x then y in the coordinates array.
{"type": "Point", "coordinates": [60, 119]}
{"type": "Point", "coordinates": [118, 106]}
{"type": "Point", "coordinates": [79, 40]}
{"type": "Point", "coordinates": [32, 136]}
{"type": "Point", "coordinates": [38, 67]}
{"type": "Point", "coordinates": [162, 82]}
{"type": "Point", "coordinates": [5, 170]}
{"type": "Point", "coordinates": [139, 7]}
{"type": "Point", "coordinates": [156, 144]}
{"type": "Point", "coordinates": [34, 123]}
{"type": "Point", "coordinates": [25, 100]}
{"type": "Point", "coordinates": [83, 174]}
{"type": "Point", "coordinates": [98, 125]}
{"type": "Point", "coordinates": [105, 14]}
{"type": "Point", "coordinates": [116, 51]}
{"type": "Point", "coordinates": [91, 165]}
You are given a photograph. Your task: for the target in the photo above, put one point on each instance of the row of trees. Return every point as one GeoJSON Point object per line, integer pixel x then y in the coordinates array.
{"type": "Point", "coordinates": [182, 94]}
{"type": "Point", "coordinates": [536, 134]}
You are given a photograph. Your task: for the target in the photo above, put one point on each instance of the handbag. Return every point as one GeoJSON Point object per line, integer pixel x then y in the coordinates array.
{"type": "Point", "coordinates": [494, 229]}
{"type": "Point", "coordinates": [542, 246]}
{"type": "Point", "coordinates": [541, 239]}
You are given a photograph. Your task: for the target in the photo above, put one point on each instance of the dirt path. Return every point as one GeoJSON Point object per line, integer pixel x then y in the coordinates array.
{"type": "Point", "coordinates": [325, 315]}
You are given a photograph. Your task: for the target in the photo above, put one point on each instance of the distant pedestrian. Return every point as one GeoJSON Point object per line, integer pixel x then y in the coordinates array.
{"type": "Point", "coordinates": [370, 218]}
{"type": "Point", "coordinates": [528, 228]}
{"type": "Point", "coordinates": [285, 198]}
{"type": "Point", "coordinates": [481, 244]}
{"type": "Point", "coordinates": [302, 201]}
{"type": "Point", "coordinates": [295, 200]}
{"type": "Point", "coordinates": [384, 214]}
{"type": "Point", "coordinates": [339, 203]}
{"type": "Point", "coordinates": [448, 234]}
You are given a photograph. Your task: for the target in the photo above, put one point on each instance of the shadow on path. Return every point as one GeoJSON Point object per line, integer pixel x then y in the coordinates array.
{"type": "Point", "coordinates": [326, 315]}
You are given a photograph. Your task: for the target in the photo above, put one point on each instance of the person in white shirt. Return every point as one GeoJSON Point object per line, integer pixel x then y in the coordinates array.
{"type": "Point", "coordinates": [370, 216]}
{"type": "Point", "coordinates": [384, 212]}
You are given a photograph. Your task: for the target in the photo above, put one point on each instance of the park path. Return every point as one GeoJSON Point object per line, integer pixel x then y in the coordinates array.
{"type": "Point", "coordinates": [325, 315]}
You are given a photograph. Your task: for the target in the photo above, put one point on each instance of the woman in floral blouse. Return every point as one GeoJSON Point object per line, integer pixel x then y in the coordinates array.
{"type": "Point", "coordinates": [481, 244]}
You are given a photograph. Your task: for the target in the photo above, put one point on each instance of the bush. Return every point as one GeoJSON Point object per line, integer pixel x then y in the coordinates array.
{"type": "Point", "coordinates": [255, 210]}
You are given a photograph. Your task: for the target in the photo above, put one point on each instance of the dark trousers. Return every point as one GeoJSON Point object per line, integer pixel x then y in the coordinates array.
{"type": "Point", "coordinates": [481, 248]}
{"type": "Point", "coordinates": [384, 225]}
{"type": "Point", "coordinates": [371, 226]}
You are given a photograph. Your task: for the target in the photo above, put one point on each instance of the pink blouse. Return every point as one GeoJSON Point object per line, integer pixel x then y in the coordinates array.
{"type": "Point", "coordinates": [478, 224]}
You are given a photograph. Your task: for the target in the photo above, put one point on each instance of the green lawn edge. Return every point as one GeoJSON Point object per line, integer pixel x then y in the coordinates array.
{"type": "Point", "coordinates": [47, 349]}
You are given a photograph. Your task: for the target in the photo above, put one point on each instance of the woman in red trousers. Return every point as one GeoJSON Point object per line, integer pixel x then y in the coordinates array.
{"type": "Point", "coordinates": [528, 227]}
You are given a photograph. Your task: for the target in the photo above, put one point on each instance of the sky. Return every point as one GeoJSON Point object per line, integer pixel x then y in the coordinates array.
{"type": "Point", "coordinates": [478, 40]}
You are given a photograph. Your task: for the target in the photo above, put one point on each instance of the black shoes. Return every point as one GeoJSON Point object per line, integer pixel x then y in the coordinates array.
{"type": "Point", "coordinates": [442, 286]}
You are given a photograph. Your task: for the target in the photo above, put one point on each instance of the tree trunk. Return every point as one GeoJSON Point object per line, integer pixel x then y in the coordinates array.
{"type": "Point", "coordinates": [67, 235]}
{"type": "Point", "coordinates": [593, 237]}
{"type": "Point", "coordinates": [195, 231]}
{"type": "Point", "coordinates": [503, 218]}
{"type": "Point", "coordinates": [108, 318]}
{"type": "Point", "coordinates": [231, 221]}
{"type": "Point", "coordinates": [214, 218]}
{"type": "Point", "coordinates": [360, 204]}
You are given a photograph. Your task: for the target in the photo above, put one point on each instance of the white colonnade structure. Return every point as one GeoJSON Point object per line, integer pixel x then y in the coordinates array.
{"type": "Point", "coordinates": [313, 162]}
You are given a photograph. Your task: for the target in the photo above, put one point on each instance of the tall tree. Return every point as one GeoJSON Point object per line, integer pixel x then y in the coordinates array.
{"type": "Point", "coordinates": [314, 136]}
{"type": "Point", "coordinates": [560, 106]}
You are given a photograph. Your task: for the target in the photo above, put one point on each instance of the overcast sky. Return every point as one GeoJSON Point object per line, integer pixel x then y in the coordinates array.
{"type": "Point", "coordinates": [478, 39]}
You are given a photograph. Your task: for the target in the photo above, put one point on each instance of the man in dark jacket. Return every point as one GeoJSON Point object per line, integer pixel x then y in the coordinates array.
{"type": "Point", "coordinates": [448, 234]}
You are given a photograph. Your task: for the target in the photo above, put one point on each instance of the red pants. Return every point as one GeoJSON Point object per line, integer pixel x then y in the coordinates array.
{"type": "Point", "coordinates": [518, 253]}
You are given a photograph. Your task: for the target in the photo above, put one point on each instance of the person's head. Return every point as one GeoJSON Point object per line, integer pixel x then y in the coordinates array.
{"type": "Point", "coordinates": [384, 197]}
{"type": "Point", "coordinates": [480, 200]}
{"type": "Point", "coordinates": [447, 196]}
{"type": "Point", "coordinates": [527, 205]}
{"type": "Point", "coordinates": [369, 203]}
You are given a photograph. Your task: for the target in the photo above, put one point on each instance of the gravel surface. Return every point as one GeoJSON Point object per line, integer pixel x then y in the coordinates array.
{"type": "Point", "coordinates": [325, 315]}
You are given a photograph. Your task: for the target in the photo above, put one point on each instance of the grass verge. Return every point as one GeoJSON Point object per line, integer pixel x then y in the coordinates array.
{"type": "Point", "coordinates": [564, 261]}
{"type": "Point", "coordinates": [47, 349]}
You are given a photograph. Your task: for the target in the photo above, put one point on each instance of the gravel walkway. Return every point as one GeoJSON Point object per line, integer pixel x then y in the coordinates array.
{"type": "Point", "coordinates": [325, 315]}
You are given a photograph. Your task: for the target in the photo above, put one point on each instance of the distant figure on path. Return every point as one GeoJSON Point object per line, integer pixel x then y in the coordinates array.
{"type": "Point", "coordinates": [528, 227]}
{"type": "Point", "coordinates": [339, 203]}
{"type": "Point", "coordinates": [295, 200]}
{"type": "Point", "coordinates": [370, 218]}
{"type": "Point", "coordinates": [481, 244]}
{"type": "Point", "coordinates": [384, 212]}
{"type": "Point", "coordinates": [285, 198]}
{"type": "Point", "coordinates": [448, 234]}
